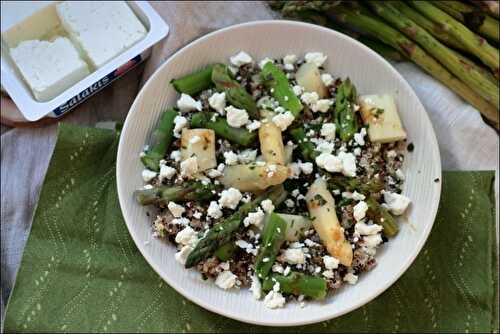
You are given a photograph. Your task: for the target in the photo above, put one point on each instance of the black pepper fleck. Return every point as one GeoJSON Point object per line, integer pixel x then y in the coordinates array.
{"type": "Point", "coordinates": [436, 180]}
{"type": "Point", "coordinates": [410, 147]}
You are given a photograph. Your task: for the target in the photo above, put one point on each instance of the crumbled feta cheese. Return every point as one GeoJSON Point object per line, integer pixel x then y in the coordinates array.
{"type": "Point", "coordinates": [289, 203]}
{"type": "Point", "coordinates": [231, 158]}
{"type": "Point", "coordinates": [166, 172]}
{"type": "Point", "coordinates": [364, 229]}
{"type": "Point", "coordinates": [329, 162]}
{"type": "Point", "coordinates": [298, 90]}
{"type": "Point", "coordinates": [214, 210]}
{"type": "Point", "coordinates": [391, 154]}
{"type": "Point", "coordinates": [224, 265]}
{"type": "Point", "coordinates": [187, 236]}
{"type": "Point", "coordinates": [197, 215]}
{"type": "Point", "coordinates": [230, 198]}
{"type": "Point", "coordinates": [309, 98]}
{"type": "Point", "coordinates": [400, 175]}
{"type": "Point", "coordinates": [247, 156]}
{"type": "Point", "coordinates": [322, 105]}
{"type": "Point", "coordinates": [189, 167]}
{"type": "Point", "coordinates": [264, 61]}
{"type": "Point", "coordinates": [182, 255]}
{"type": "Point", "coordinates": [357, 151]}
{"type": "Point", "coordinates": [176, 155]}
{"type": "Point", "coordinates": [181, 221]}
{"type": "Point", "coordinates": [357, 196]}
{"type": "Point", "coordinates": [295, 170]}
{"type": "Point", "coordinates": [306, 167]}
{"type": "Point", "coordinates": [276, 287]}
{"type": "Point", "coordinates": [283, 120]}
{"type": "Point", "coordinates": [310, 243]}
{"type": "Point", "coordinates": [295, 192]}
{"type": "Point", "coordinates": [350, 278]}
{"type": "Point", "coordinates": [256, 287]}
{"type": "Point", "coordinates": [287, 271]}
{"type": "Point", "coordinates": [315, 57]}
{"type": "Point", "coordinates": [218, 102]}
{"type": "Point", "coordinates": [176, 209]}
{"type": "Point", "coordinates": [296, 244]}
{"type": "Point", "coordinates": [330, 262]}
{"type": "Point", "coordinates": [243, 244]}
{"type": "Point", "coordinates": [148, 175]}
{"type": "Point", "coordinates": [348, 164]}
{"type": "Point", "coordinates": [147, 186]}
{"type": "Point", "coordinates": [236, 117]}
{"type": "Point", "coordinates": [328, 131]}
{"type": "Point", "coordinates": [372, 241]}
{"type": "Point", "coordinates": [294, 256]}
{"type": "Point", "coordinates": [277, 268]}
{"type": "Point", "coordinates": [325, 147]}
{"type": "Point", "coordinates": [242, 58]}
{"type": "Point", "coordinates": [327, 79]}
{"type": "Point", "coordinates": [328, 273]}
{"type": "Point", "coordinates": [267, 205]}
{"type": "Point", "coordinates": [187, 103]}
{"type": "Point", "coordinates": [290, 59]}
{"type": "Point", "coordinates": [359, 138]}
{"type": "Point", "coordinates": [396, 203]}
{"type": "Point", "coordinates": [360, 210]}
{"type": "Point", "coordinates": [253, 125]}
{"type": "Point", "coordinates": [254, 218]}
{"type": "Point", "coordinates": [274, 300]}
{"type": "Point", "coordinates": [225, 280]}
{"type": "Point", "coordinates": [213, 173]}
{"type": "Point", "coordinates": [180, 123]}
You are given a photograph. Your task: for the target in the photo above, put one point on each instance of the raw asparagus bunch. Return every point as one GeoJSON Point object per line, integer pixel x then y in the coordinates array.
{"type": "Point", "coordinates": [221, 233]}
{"type": "Point", "coordinates": [187, 191]}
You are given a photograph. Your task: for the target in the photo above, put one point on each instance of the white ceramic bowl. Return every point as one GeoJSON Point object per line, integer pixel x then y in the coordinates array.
{"type": "Point", "coordinates": [346, 57]}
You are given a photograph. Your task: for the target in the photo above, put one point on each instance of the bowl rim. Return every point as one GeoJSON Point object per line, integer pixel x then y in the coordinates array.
{"type": "Point", "coordinates": [279, 323]}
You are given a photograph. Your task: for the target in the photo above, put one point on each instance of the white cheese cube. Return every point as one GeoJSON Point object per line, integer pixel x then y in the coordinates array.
{"type": "Point", "coordinates": [102, 29]}
{"type": "Point", "coordinates": [49, 68]}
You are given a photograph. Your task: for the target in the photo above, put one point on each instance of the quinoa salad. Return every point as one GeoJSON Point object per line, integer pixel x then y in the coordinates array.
{"type": "Point", "coordinates": [275, 175]}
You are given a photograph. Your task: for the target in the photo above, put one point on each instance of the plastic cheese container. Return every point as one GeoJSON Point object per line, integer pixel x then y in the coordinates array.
{"type": "Point", "coordinates": [38, 20]}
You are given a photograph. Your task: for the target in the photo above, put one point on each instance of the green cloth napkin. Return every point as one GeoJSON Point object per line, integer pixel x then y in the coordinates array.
{"type": "Point", "coordinates": [81, 271]}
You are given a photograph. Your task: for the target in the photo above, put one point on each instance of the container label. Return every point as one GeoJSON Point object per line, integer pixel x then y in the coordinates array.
{"type": "Point", "coordinates": [97, 86]}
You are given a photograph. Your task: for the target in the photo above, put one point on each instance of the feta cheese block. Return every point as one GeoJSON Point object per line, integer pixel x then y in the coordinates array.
{"type": "Point", "coordinates": [49, 68]}
{"type": "Point", "coordinates": [101, 29]}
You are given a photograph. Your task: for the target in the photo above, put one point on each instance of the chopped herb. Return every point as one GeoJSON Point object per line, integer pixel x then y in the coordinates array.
{"type": "Point", "coordinates": [318, 198]}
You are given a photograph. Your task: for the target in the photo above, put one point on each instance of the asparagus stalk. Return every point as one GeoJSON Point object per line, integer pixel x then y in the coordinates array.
{"type": "Point", "coordinates": [273, 236]}
{"type": "Point", "coordinates": [475, 79]}
{"type": "Point", "coordinates": [382, 49]}
{"type": "Point", "coordinates": [392, 37]}
{"type": "Point", "coordinates": [222, 129]}
{"type": "Point", "coordinates": [195, 82]}
{"type": "Point", "coordinates": [221, 233]}
{"type": "Point", "coordinates": [281, 90]}
{"type": "Point", "coordinates": [472, 17]}
{"type": "Point", "coordinates": [365, 186]}
{"type": "Point", "coordinates": [235, 94]}
{"type": "Point", "coordinates": [298, 284]}
{"type": "Point", "coordinates": [306, 147]}
{"type": "Point", "coordinates": [347, 122]}
{"type": "Point", "coordinates": [226, 251]}
{"type": "Point", "coordinates": [162, 138]}
{"type": "Point", "coordinates": [187, 191]}
{"type": "Point", "coordinates": [474, 43]}
{"type": "Point", "coordinates": [382, 216]}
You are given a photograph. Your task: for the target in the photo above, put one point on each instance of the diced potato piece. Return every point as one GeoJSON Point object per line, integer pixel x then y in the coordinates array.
{"type": "Point", "coordinates": [321, 205]}
{"type": "Point", "coordinates": [296, 226]}
{"type": "Point", "coordinates": [308, 76]}
{"type": "Point", "coordinates": [271, 143]}
{"type": "Point", "coordinates": [201, 144]}
{"type": "Point", "coordinates": [254, 178]}
{"type": "Point", "coordinates": [380, 113]}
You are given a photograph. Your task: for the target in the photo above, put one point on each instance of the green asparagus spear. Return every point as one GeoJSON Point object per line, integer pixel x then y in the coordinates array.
{"type": "Point", "coordinates": [382, 216]}
{"type": "Point", "coordinates": [187, 191]}
{"type": "Point", "coordinates": [382, 49]}
{"type": "Point", "coordinates": [297, 284]}
{"type": "Point", "coordinates": [276, 80]}
{"type": "Point", "coordinates": [221, 233]}
{"type": "Point", "coordinates": [162, 138]}
{"type": "Point", "coordinates": [390, 36]}
{"type": "Point", "coordinates": [347, 122]}
{"type": "Point", "coordinates": [472, 17]}
{"type": "Point", "coordinates": [306, 147]}
{"type": "Point", "coordinates": [235, 94]}
{"type": "Point", "coordinates": [474, 43]}
{"type": "Point", "coordinates": [195, 82]}
{"type": "Point", "coordinates": [363, 186]}
{"type": "Point", "coordinates": [273, 236]}
{"type": "Point", "coordinates": [226, 251]}
{"type": "Point", "coordinates": [219, 124]}
{"type": "Point", "coordinates": [475, 79]}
